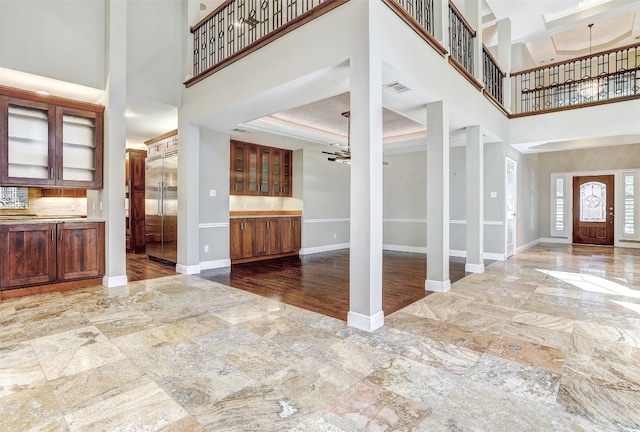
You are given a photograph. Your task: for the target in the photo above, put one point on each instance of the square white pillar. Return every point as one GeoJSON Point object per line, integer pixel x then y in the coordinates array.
{"type": "Point", "coordinates": [475, 203]}
{"type": "Point", "coordinates": [365, 264]}
{"type": "Point", "coordinates": [437, 198]}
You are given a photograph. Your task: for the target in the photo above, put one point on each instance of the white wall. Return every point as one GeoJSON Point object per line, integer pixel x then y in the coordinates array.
{"type": "Point", "coordinates": [326, 199]}
{"type": "Point", "coordinates": [154, 50]}
{"type": "Point", "coordinates": [214, 211]}
{"type": "Point", "coordinates": [60, 39]}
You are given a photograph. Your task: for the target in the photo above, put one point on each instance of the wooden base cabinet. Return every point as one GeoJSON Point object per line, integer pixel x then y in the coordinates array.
{"type": "Point", "coordinates": [242, 235]}
{"type": "Point", "coordinates": [43, 257]}
{"type": "Point", "coordinates": [253, 239]}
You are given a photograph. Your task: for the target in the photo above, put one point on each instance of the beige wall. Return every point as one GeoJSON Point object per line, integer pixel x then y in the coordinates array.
{"type": "Point", "coordinates": [597, 159]}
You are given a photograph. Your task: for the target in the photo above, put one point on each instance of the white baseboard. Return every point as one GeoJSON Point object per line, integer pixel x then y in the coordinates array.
{"type": "Point", "coordinates": [437, 286]}
{"type": "Point", "coordinates": [474, 268]}
{"type": "Point", "coordinates": [365, 322]}
{"type": "Point", "coordinates": [554, 240]}
{"type": "Point", "coordinates": [326, 248]}
{"type": "Point", "coordinates": [529, 245]}
{"type": "Point", "coordinates": [114, 281]}
{"type": "Point", "coordinates": [487, 255]}
{"type": "Point", "coordinates": [188, 270]}
{"type": "Point", "coordinates": [402, 248]}
{"type": "Point", "coordinates": [207, 265]}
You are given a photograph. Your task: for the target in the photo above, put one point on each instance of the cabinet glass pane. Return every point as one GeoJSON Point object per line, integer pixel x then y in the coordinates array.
{"type": "Point", "coordinates": [276, 172]}
{"type": "Point", "coordinates": [28, 142]}
{"type": "Point", "coordinates": [253, 169]}
{"type": "Point", "coordinates": [264, 180]}
{"type": "Point", "coordinates": [78, 151]}
{"type": "Point", "coordinates": [285, 172]}
{"type": "Point", "coordinates": [239, 186]}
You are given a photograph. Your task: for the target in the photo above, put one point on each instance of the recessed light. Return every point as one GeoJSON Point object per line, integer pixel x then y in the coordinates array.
{"type": "Point", "coordinates": [129, 114]}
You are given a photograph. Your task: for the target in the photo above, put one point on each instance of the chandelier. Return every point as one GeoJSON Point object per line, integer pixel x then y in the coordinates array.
{"type": "Point", "coordinates": [589, 87]}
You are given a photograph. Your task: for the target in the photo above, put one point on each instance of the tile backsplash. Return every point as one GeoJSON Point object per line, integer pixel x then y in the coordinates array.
{"type": "Point", "coordinates": [14, 198]}
{"type": "Point", "coordinates": [49, 206]}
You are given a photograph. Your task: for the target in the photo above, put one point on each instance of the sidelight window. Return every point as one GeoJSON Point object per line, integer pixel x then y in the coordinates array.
{"type": "Point", "coordinates": [558, 207]}
{"type": "Point", "coordinates": [630, 194]}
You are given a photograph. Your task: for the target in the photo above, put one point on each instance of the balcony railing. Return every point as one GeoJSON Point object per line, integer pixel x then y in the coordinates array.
{"type": "Point", "coordinates": [238, 27]}
{"type": "Point", "coordinates": [493, 76]}
{"type": "Point", "coordinates": [461, 39]}
{"type": "Point", "coordinates": [601, 77]}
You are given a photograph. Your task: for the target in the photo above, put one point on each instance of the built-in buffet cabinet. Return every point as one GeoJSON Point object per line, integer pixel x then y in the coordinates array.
{"type": "Point", "coordinates": [50, 255]}
{"type": "Point", "coordinates": [260, 170]}
{"type": "Point", "coordinates": [50, 141]}
{"type": "Point", "coordinates": [254, 238]}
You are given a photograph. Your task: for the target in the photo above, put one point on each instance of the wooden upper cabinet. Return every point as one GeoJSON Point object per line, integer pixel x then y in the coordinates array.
{"type": "Point", "coordinates": [260, 170]}
{"type": "Point", "coordinates": [46, 141]}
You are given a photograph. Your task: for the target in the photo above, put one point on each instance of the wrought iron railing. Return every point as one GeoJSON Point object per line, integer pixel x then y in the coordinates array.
{"type": "Point", "coordinates": [600, 77]}
{"type": "Point", "coordinates": [493, 76]}
{"type": "Point", "coordinates": [239, 25]}
{"type": "Point", "coordinates": [461, 39]}
{"type": "Point", "coordinates": [421, 11]}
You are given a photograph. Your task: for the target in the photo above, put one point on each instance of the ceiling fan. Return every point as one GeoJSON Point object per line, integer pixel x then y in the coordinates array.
{"type": "Point", "coordinates": [343, 155]}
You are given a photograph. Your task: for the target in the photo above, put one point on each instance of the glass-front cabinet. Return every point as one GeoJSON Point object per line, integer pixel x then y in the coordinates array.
{"type": "Point", "coordinates": [259, 170]}
{"type": "Point", "coordinates": [46, 143]}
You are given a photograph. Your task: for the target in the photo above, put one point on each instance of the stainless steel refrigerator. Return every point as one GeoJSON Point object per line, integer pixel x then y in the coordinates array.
{"type": "Point", "coordinates": [161, 200]}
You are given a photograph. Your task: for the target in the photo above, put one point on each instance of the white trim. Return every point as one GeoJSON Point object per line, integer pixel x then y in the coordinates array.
{"type": "Point", "coordinates": [115, 281]}
{"type": "Point", "coordinates": [458, 222]}
{"type": "Point", "coordinates": [325, 248]}
{"type": "Point", "coordinates": [365, 322]}
{"type": "Point", "coordinates": [400, 220]}
{"type": "Point", "coordinates": [214, 225]}
{"type": "Point", "coordinates": [554, 240]}
{"type": "Point", "coordinates": [529, 245]}
{"type": "Point", "coordinates": [437, 286]}
{"type": "Point", "coordinates": [474, 268]}
{"type": "Point", "coordinates": [207, 265]}
{"type": "Point", "coordinates": [496, 223]}
{"type": "Point", "coordinates": [188, 270]}
{"type": "Point", "coordinates": [486, 255]}
{"type": "Point", "coordinates": [327, 220]}
{"type": "Point", "coordinates": [402, 248]}
{"type": "Point", "coordinates": [494, 256]}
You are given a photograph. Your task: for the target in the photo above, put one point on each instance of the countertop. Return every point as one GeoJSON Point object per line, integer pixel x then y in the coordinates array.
{"type": "Point", "coordinates": [263, 213]}
{"type": "Point", "coordinates": [22, 219]}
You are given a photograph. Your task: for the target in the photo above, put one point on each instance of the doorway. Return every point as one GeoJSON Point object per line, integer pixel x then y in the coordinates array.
{"type": "Point", "coordinates": [593, 209]}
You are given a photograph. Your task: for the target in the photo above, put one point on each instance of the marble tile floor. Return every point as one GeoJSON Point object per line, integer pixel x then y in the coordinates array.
{"type": "Point", "coordinates": [547, 341]}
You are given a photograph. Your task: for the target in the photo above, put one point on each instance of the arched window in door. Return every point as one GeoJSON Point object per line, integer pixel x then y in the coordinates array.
{"type": "Point", "coordinates": [593, 202]}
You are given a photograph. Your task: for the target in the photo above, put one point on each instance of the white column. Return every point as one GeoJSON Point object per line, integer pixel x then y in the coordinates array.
{"type": "Point", "coordinates": [473, 14]}
{"type": "Point", "coordinates": [188, 197]}
{"type": "Point", "coordinates": [475, 203]}
{"type": "Point", "coordinates": [109, 202]}
{"type": "Point", "coordinates": [437, 198]}
{"type": "Point", "coordinates": [365, 266]}
{"type": "Point", "coordinates": [441, 22]}
{"type": "Point", "coordinates": [504, 58]}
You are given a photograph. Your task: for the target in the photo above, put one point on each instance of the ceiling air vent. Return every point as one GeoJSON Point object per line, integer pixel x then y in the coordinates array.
{"type": "Point", "coordinates": [397, 87]}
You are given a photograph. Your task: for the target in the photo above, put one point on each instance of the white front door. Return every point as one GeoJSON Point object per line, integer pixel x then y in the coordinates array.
{"type": "Point", "coordinates": [511, 210]}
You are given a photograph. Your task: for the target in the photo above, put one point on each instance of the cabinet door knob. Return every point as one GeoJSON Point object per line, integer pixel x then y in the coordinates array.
{"type": "Point", "coordinates": [52, 236]}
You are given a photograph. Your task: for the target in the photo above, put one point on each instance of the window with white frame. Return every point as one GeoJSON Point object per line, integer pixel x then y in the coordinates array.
{"type": "Point", "coordinates": [630, 195]}
{"type": "Point", "coordinates": [558, 205]}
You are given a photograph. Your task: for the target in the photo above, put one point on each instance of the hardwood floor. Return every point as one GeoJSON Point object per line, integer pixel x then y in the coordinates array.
{"type": "Point", "coordinates": [140, 267]}
{"type": "Point", "coordinates": [320, 282]}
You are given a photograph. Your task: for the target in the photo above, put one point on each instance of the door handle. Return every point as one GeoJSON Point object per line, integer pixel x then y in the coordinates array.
{"type": "Point", "coordinates": [60, 235]}
{"type": "Point", "coordinates": [159, 198]}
